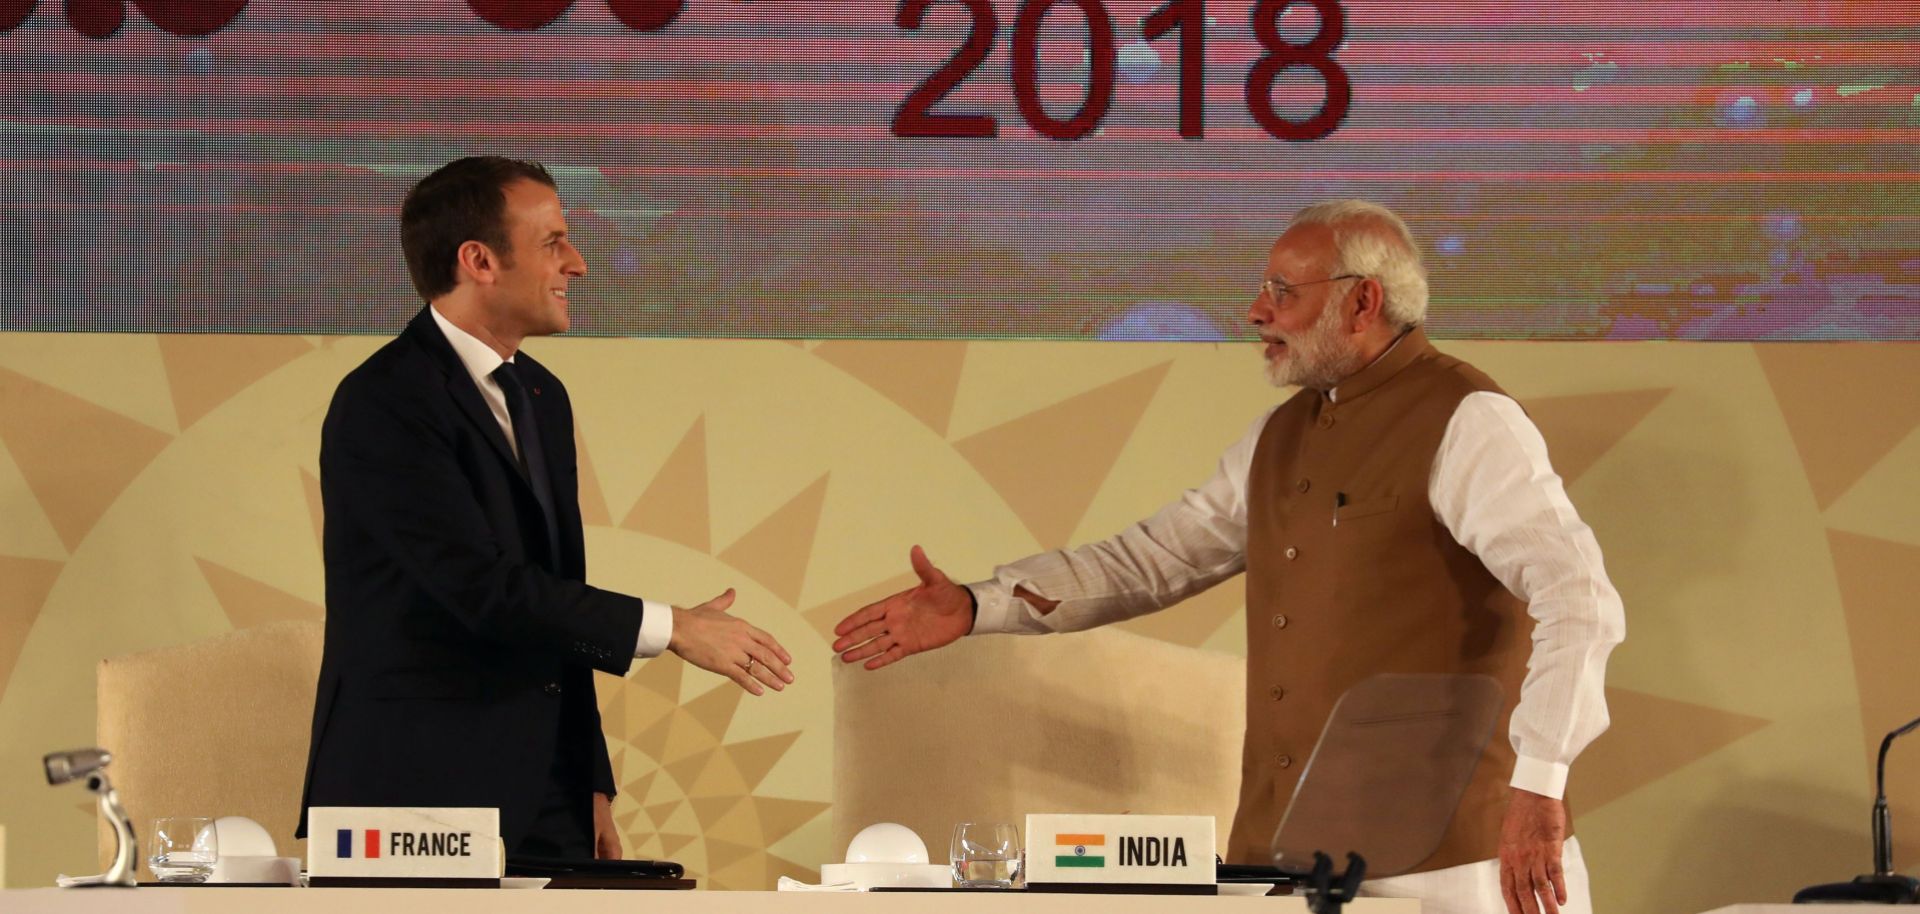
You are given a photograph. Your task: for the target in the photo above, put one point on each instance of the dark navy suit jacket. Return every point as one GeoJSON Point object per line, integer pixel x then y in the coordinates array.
{"type": "Point", "coordinates": [459, 654]}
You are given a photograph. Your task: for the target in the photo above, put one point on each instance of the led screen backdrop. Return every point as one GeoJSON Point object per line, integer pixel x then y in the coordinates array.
{"type": "Point", "coordinates": [986, 168]}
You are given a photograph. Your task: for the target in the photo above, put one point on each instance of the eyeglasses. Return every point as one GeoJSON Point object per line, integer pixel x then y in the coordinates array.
{"type": "Point", "coordinates": [1278, 289]}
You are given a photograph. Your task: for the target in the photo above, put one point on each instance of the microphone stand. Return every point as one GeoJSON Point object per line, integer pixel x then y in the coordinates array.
{"type": "Point", "coordinates": [1324, 894]}
{"type": "Point", "coordinates": [91, 764]}
{"type": "Point", "coordinates": [1882, 886]}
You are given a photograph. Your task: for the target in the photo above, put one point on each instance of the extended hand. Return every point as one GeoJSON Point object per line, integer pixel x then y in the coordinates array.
{"type": "Point", "coordinates": [707, 637]}
{"type": "Point", "coordinates": [606, 837]}
{"type": "Point", "coordinates": [1531, 836]}
{"type": "Point", "coordinates": [934, 614]}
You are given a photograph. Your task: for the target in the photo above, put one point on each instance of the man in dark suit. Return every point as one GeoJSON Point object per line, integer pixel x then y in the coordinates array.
{"type": "Point", "coordinates": [461, 638]}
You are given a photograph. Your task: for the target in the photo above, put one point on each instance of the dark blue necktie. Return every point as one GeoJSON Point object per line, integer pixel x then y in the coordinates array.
{"type": "Point", "coordinates": [533, 457]}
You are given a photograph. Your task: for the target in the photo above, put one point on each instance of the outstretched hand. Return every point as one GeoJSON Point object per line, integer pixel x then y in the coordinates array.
{"type": "Point", "coordinates": [934, 614]}
{"type": "Point", "coordinates": [711, 639]}
{"type": "Point", "coordinates": [1532, 838]}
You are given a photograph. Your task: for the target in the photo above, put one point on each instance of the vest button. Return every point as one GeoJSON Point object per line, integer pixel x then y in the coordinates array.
{"type": "Point", "coordinates": [1292, 553]}
{"type": "Point", "coordinates": [1280, 621]}
{"type": "Point", "coordinates": [1326, 421]}
{"type": "Point", "coordinates": [552, 688]}
{"type": "Point", "coordinates": [1278, 693]}
{"type": "Point", "coordinates": [1285, 761]}
{"type": "Point", "coordinates": [1304, 485]}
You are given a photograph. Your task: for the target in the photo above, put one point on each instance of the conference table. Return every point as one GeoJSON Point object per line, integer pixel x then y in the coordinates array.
{"type": "Point", "coordinates": [502, 901]}
{"type": "Point", "coordinates": [215, 900]}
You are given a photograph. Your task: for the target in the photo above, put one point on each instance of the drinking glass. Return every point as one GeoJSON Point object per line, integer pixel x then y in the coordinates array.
{"type": "Point", "coordinates": [184, 849]}
{"type": "Point", "coordinates": [985, 855]}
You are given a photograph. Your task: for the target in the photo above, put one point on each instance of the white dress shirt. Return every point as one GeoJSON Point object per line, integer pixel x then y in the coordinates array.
{"type": "Point", "coordinates": [1491, 486]}
{"type": "Point", "coordinates": [656, 624]}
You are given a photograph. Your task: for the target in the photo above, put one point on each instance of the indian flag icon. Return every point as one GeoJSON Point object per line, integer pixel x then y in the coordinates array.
{"type": "Point", "coordinates": [1080, 850]}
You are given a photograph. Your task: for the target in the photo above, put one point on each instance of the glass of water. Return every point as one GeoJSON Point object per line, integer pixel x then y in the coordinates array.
{"type": "Point", "coordinates": [985, 855]}
{"type": "Point", "coordinates": [184, 849]}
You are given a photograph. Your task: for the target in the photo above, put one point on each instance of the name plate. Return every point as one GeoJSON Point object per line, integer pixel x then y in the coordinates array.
{"type": "Point", "coordinates": [1132, 850]}
{"type": "Point", "coordinates": [404, 842]}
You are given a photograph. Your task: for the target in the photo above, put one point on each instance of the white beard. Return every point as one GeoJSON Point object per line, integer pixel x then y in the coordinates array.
{"type": "Point", "coordinates": [1317, 357]}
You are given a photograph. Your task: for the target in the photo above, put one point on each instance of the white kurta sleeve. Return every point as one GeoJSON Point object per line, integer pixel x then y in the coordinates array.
{"type": "Point", "coordinates": [1495, 490]}
{"type": "Point", "coordinates": [1197, 541]}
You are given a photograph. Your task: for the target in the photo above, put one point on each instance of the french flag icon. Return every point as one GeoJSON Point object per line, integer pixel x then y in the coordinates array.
{"type": "Point", "coordinates": [369, 843]}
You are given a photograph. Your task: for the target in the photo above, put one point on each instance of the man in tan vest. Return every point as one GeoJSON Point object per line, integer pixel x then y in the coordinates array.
{"type": "Point", "coordinates": [1396, 515]}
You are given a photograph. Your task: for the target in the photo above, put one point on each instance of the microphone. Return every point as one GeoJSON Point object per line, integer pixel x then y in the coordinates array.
{"type": "Point", "coordinates": [1882, 822]}
{"type": "Point", "coordinates": [90, 765]}
{"type": "Point", "coordinates": [1882, 886]}
{"type": "Point", "coordinates": [74, 764]}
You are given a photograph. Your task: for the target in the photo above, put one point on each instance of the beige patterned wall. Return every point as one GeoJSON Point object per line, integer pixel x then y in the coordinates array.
{"type": "Point", "coordinates": [1758, 506]}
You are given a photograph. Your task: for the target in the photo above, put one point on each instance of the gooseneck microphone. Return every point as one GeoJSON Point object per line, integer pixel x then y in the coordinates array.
{"type": "Point", "coordinates": [1882, 886]}
{"type": "Point", "coordinates": [1882, 822]}
{"type": "Point", "coordinates": [90, 765]}
{"type": "Point", "coordinates": [74, 764]}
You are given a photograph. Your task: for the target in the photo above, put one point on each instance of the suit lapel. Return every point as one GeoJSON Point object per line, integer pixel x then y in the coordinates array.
{"type": "Point", "coordinates": [556, 437]}
{"type": "Point", "coordinates": [555, 424]}
{"type": "Point", "coordinates": [556, 429]}
{"type": "Point", "coordinates": [461, 388]}
{"type": "Point", "coordinates": [475, 409]}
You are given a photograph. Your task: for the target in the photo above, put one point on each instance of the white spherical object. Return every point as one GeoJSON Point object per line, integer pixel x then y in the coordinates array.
{"type": "Point", "coordinates": [887, 842]}
{"type": "Point", "coordinates": [243, 837]}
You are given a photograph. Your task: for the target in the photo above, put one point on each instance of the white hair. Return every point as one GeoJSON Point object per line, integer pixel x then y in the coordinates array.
{"type": "Point", "coordinates": [1373, 241]}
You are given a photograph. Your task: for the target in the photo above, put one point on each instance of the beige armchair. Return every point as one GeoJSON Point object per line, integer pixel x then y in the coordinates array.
{"type": "Point", "coordinates": [999, 726]}
{"type": "Point", "coordinates": [212, 728]}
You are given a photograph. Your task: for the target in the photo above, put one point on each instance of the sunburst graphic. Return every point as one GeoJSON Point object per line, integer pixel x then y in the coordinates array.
{"type": "Point", "coordinates": [689, 794]}
{"type": "Point", "coordinates": [174, 492]}
{"type": "Point", "coordinates": [692, 786]}
{"type": "Point", "coordinates": [164, 489]}
{"type": "Point", "coordinates": [725, 783]}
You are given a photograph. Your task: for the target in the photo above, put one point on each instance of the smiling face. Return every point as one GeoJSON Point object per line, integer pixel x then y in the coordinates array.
{"type": "Point", "coordinates": [1308, 333]}
{"type": "Point", "coordinates": [528, 292]}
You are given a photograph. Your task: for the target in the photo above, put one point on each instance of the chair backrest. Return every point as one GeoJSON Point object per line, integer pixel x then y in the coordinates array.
{"type": "Point", "coordinates": [994, 728]}
{"type": "Point", "coordinates": [212, 728]}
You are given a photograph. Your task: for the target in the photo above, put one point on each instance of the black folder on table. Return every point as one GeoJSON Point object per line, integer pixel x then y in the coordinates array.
{"type": "Point", "coordinates": [568, 873]}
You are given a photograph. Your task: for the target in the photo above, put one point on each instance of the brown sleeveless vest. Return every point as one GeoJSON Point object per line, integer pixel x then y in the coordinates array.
{"type": "Point", "coordinates": [1386, 590]}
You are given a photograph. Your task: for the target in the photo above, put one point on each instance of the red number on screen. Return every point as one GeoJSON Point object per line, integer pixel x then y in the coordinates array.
{"type": "Point", "coordinates": [529, 15]}
{"type": "Point", "coordinates": [915, 117]}
{"type": "Point", "coordinates": [102, 18]}
{"type": "Point", "coordinates": [646, 15]}
{"type": "Point", "coordinates": [519, 15]}
{"type": "Point", "coordinates": [1281, 56]}
{"type": "Point", "coordinates": [1026, 64]}
{"type": "Point", "coordinates": [1190, 17]}
{"type": "Point", "coordinates": [14, 12]}
{"type": "Point", "coordinates": [191, 18]}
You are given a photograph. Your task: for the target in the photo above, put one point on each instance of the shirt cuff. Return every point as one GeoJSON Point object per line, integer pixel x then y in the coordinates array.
{"type": "Point", "coordinates": [1548, 779]}
{"type": "Point", "coordinates": [656, 630]}
{"type": "Point", "coordinates": [992, 605]}
{"type": "Point", "coordinates": [1002, 613]}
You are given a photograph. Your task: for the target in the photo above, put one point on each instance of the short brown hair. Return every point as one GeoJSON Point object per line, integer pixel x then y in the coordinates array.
{"type": "Point", "coordinates": [461, 201]}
